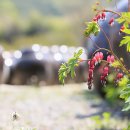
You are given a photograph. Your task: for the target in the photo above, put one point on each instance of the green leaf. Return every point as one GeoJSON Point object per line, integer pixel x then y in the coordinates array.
{"type": "Point", "coordinates": [126, 40]}
{"type": "Point", "coordinates": [92, 28]}
{"type": "Point", "coordinates": [125, 94]}
{"type": "Point", "coordinates": [125, 18]}
{"type": "Point", "coordinates": [116, 64]}
{"type": "Point", "coordinates": [63, 71]}
{"type": "Point", "coordinates": [126, 107]}
{"type": "Point", "coordinates": [106, 115]}
{"type": "Point", "coordinates": [69, 66]}
{"type": "Point", "coordinates": [77, 55]}
{"type": "Point", "coordinates": [123, 82]}
{"type": "Point", "coordinates": [127, 31]}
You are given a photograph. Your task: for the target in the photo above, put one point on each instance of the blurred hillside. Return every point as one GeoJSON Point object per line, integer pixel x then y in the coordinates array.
{"type": "Point", "coordinates": [44, 22]}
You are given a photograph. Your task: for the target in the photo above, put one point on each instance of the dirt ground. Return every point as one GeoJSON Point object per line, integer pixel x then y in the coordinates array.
{"type": "Point", "coordinates": [68, 107]}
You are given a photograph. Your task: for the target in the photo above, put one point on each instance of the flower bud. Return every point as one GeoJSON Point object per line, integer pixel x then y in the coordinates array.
{"type": "Point", "coordinates": [103, 15]}
{"type": "Point", "coordinates": [110, 59]}
{"type": "Point", "coordinates": [111, 22]}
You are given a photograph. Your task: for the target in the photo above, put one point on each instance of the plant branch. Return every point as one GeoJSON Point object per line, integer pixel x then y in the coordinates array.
{"type": "Point", "coordinates": [109, 43]}
{"type": "Point", "coordinates": [102, 49]}
{"type": "Point", "coordinates": [122, 66]}
{"type": "Point", "coordinates": [114, 12]}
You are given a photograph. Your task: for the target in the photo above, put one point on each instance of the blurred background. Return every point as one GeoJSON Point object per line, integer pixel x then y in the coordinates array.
{"type": "Point", "coordinates": [46, 22]}
{"type": "Point", "coordinates": [31, 31]}
{"type": "Point", "coordinates": [36, 36]}
{"type": "Point", "coordinates": [23, 23]}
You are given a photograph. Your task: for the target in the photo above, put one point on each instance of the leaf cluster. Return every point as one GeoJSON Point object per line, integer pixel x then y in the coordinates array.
{"type": "Point", "coordinates": [92, 28]}
{"type": "Point", "coordinates": [123, 82]}
{"type": "Point", "coordinates": [69, 67]}
{"type": "Point", "coordinates": [125, 94]}
{"type": "Point", "coordinates": [126, 41]}
{"type": "Point", "coordinates": [125, 20]}
{"type": "Point", "coordinates": [116, 64]}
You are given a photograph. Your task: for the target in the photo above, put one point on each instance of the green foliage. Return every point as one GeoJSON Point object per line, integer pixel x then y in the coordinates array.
{"type": "Point", "coordinates": [126, 41]}
{"type": "Point", "coordinates": [128, 128]}
{"type": "Point", "coordinates": [123, 82]}
{"type": "Point", "coordinates": [63, 71]}
{"type": "Point", "coordinates": [106, 116]}
{"type": "Point", "coordinates": [69, 67]}
{"type": "Point", "coordinates": [116, 64]}
{"type": "Point", "coordinates": [125, 18]}
{"type": "Point", "coordinates": [92, 28]}
{"type": "Point", "coordinates": [102, 122]}
{"type": "Point", "coordinates": [127, 31]}
{"type": "Point", "coordinates": [112, 94]}
{"type": "Point", "coordinates": [112, 91]}
{"type": "Point", "coordinates": [125, 94]}
{"type": "Point", "coordinates": [107, 122]}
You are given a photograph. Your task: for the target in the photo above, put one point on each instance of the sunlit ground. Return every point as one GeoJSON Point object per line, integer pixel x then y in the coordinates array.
{"type": "Point", "coordinates": [69, 107]}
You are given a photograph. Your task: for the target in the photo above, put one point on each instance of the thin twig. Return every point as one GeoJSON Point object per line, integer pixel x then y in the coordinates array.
{"type": "Point", "coordinates": [108, 40]}
{"type": "Point", "coordinates": [102, 49]}
{"type": "Point", "coordinates": [114, 12]}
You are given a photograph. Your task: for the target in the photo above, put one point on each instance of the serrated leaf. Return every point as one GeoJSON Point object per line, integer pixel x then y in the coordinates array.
{"type": "Point", "coordinates": [125, 94]}
{"type": "Point", "coordinates": [120, 20]}
{"type": "Point", "coordinates": [78, 54]}
{"type": "Point", "coordinates": [92, 28]}
{"type": "Point", "coordinates": [69, 66]}
{"type": "Point", "coordinates": [125, 18]}
{"type": "Point", "coordinates": [126, 40]}
{"type": "Point", "coordinates": [127, 31]}
{"type": "Point", "coordinates": [63, 71]}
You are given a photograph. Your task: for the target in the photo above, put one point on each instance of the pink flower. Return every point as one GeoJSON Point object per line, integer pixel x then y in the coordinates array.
{"type": "Point", "coordinates": [98, 57]}
{"type": "Point", "coordinates": [110, 59]}
{"type": "Point", "coordinates": [98, 17]}
{"type": "Point", "coordinates": [121, 29]}
{"type": "Point", "coordinates": [104, 75]}
{"type": "Point", "coordinates": [91, 64]}
{"type": "Point", "coordinates": [91, 73]}
{"type": "Point", "coordinates": [111, 22]}
{"type": "Point", "coordinates": [119, 76]}
{"type": "Point", "coordinates": [95, 19]}
{"type": "Point", "coordinates": [103, 16]}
